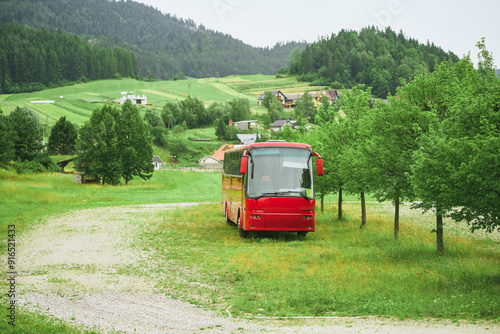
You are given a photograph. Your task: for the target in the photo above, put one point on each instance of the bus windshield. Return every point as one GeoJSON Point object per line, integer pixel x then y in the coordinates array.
{"type": "Point", "coordinates": [279, 172]}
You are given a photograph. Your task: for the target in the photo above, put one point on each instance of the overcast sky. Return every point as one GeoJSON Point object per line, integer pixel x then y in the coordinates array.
{"type": "Point", "coordinates": [452, 25]}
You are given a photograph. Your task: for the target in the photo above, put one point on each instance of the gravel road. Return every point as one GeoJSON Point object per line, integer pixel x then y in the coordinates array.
{"type": "Point", "coordinates": [79, 267]}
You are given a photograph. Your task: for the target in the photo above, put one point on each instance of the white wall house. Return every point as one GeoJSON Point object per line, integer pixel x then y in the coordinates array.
{"type": "Point", "coordinates": [135, 99]}
{"type": "Point", "coordinates": [157, 162]}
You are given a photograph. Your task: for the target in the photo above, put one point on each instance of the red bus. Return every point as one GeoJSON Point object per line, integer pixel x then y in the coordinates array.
{"type": "Point", "coordinates": [269, 187]}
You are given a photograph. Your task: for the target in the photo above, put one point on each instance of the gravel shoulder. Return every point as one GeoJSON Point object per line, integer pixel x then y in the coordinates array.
{"type": "Point", "coordinates": [79, 267]}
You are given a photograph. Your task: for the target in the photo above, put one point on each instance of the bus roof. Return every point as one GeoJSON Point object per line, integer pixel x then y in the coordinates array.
{"type": "Point", "coordinates": [271, 143]}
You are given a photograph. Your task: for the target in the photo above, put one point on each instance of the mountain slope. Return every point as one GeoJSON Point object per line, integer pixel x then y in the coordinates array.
{"type": "Point", "coordinates": [164, 45]}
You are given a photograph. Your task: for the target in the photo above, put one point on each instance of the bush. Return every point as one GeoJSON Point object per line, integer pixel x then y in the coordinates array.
{"type": "Point", "coordinates": [39, 164]}
{"type": "Point", "coordinates": [32, 166]}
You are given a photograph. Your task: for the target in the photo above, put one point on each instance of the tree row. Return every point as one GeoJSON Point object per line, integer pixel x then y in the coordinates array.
{"type": "Point", "coordinates": [434, 144]}
{"type": "Point", "coordinates": [32, 59]}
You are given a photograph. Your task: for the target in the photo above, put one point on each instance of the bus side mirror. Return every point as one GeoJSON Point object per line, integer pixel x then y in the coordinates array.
{"type": "Point", "coordinates": [244, 163]}
{"type": "Point", "coordinates": [319, 164]}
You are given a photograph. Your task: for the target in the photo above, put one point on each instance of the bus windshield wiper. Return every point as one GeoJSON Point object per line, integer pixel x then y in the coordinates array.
{"type": "Point", "coordinates": [301, 194]}
{"type": "Point", "coordinates": [271, 194]}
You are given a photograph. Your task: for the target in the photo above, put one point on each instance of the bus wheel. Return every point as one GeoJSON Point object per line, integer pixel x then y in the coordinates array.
{"type": "Point", "coordinates": [302, 234]}
{"type": "Point", "coordinates": [243, 233]}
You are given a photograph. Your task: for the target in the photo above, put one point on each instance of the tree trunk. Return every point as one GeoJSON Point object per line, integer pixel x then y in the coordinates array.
{"type": "Point", "coordinates": [322, 202]}
{"type": "Point", "coordinates": [439, 234]}
{"type": "Point", "coordinates": [363, 210]}
{"type": "Point", "coordinates": [340, 204]}
{"type": "Point", "coordinates": [396, 217]}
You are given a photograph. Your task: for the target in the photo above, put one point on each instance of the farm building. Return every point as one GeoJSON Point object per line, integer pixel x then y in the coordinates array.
{"type": "Point", "coordinates": [332, 95]}
{"type": "Point", "coordinates": [210, 163]}
{"type": "Point", "coordinates": [245, 125]}
{"type": "Point", "coordinates": [281, 124]}
{"type": "Point", "coordinates": [134, 99]}
{"type": "Point", "coordinates": [289, 100]}
{"type": "Point", "coordinates": [157, 162]}
{"type": "Point", "coordinates": [279, 96]}
{"type": "Point", "coordinates": [247, 139]}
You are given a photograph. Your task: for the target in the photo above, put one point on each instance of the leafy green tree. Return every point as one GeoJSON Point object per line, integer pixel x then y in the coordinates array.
{"type": "Point", "coordinates": [283, 72]}
{"type": "Point", "coordinates": [7, 136]}
{"type": "Point", "coordinates": [268, 99]}
{"type": "Point", "coordinates": [240, 109]}
{"type": "Point", "coordinates": [156, 127]}
{"type": "Point", "coordinates": [330, 142]}
{"type": "Point", "coordinates": [275, 110]}
{"type": "Point", "coordinates": [62, 139]}
{"type": "Point", "coordinates": [355, 106]}
{"type": "Point", "coordinates": [456, 169]}
{"type": "Point", "coordinates": [438, 141]}
{"type": "Point", "coordinates": [193, 113]}
{"type": "Point", "coordinates": [220, 129]}
{"type": "Point", "coordinates": [98, 146]}
{"type": "Point", "coordinates": [391, 132]}
{"type": "Point", "coordinates": [305, 106]}
{"type": "Point", "coordinates": [28, 139]}
{"type": "Point", "coordinates": [134, 144]}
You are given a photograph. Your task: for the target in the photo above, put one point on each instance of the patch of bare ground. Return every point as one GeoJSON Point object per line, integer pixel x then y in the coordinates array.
{"type": "Point", "coordinates": [83, 267]}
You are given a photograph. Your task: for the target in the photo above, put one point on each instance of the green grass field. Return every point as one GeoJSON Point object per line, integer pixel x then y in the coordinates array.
{"type": "Point", "coordinates": [340, 270]}
{"type": "Point", "coordinates": [77, 102]}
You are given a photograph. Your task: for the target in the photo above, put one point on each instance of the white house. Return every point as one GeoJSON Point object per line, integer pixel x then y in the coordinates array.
{"type": "Point", "coordinates": [134, 99]}
{"type": "Point", "coordinates": [157, 162]}
{"type": "Point", "coordinates": [210, 162]}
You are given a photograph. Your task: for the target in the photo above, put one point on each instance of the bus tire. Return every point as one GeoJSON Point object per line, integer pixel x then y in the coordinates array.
{"type": "Point", "coordinates": [243, 233]}
{"type": "Point", "coordinates": [302, 234]}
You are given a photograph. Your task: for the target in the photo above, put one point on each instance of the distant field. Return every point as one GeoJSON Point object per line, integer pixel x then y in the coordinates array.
{"type": "Point", "coordinates": [77, 102]}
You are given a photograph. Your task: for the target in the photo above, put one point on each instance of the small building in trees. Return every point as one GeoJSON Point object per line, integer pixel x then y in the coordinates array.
{"type": "Point", "coordinates": [209, 162]}
{"type": "Point", "coordinates": [332, 95]}
{"type": "Point", "coordinates": [247, 139]}
{"type": "Point", "coordinates": [80, 177]}
{"type": "Point", "coordinates": [281, 124]}
{"type": "Point", "coordinates": [245, 125]}
{"type": "Point", "coordinates": [157, 162]}
{"type": "Point", "coordinates": [279, 96]}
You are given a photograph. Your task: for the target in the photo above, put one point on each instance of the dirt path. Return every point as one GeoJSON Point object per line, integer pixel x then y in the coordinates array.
{"type": "Point", "coordinates": [82, 267]}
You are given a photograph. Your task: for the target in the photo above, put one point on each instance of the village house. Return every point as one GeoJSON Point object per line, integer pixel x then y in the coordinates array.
{"type": "Point", "coordinates": [247, 139]}
{"type": "Point", "coordinates": [332, 95]}
{"type": "Point", "coordinates": [288, 101]}
{"type": "Point", "coordinates": [279, 96]}
{"type": "Point", "coordinates": [209, 162]}
{"type": "Point", "coordinates": [245, 125]}
{"type": "Point", "coordinates": [281, 124]}
{"type": "Point", "coordinates": [157, 162]}
{"type": "Point", "coordinates": [134, 99]}
{"type": "Point", "coordinates": [216, 160]}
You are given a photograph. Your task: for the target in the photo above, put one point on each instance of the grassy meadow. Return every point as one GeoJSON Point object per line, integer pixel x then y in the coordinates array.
{"type": "Point", "coordinates": [340, 270]}
{"type": "Point", "coordinates": [77, 102]}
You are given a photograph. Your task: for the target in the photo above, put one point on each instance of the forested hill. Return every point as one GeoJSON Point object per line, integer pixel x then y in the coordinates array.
{"type": "Point", "coordinates": [372, 57]}
{"type": "Point", "coordinates": [164, 45]}
{"type": "Point", "coordinates": [32, 59]}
